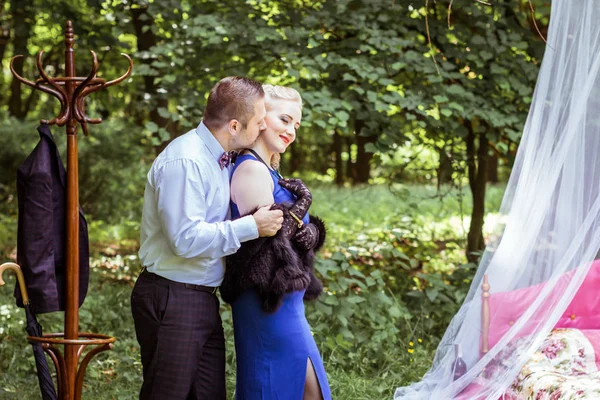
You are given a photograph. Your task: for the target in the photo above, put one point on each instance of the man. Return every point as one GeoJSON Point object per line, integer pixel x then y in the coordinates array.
{"type": "Point", "coordinates": [184, 236]}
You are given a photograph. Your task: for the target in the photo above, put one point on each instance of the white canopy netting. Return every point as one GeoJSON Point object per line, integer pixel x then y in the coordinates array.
{"type": "Point", "coordinates": [549, 233]}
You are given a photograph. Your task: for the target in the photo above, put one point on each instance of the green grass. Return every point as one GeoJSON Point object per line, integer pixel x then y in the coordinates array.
{"type": "Point", "coordinates": [111, 375]}
{"type": "Point", "coordinates": [116, 374]}
{"type": "Point", "coordinates": [378, 206]}
{"type": "Point", "coordinates": [353, 374]}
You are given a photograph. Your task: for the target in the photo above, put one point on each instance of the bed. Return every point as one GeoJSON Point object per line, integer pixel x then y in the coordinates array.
{"type": "Point", "coordinates": [567, 364]}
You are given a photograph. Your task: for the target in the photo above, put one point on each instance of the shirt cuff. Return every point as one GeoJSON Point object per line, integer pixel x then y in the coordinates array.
{"type": "Point", "coordinates": [245, 228]}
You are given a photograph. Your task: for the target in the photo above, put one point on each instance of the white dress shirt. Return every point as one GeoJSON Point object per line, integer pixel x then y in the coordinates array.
{"type": "Point", "coordinates": [185, 229]}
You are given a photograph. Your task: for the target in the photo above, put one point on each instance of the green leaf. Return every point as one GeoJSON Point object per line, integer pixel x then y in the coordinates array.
{"type": "Point", "coordinates": [395, 312]}
{"type": "Point", "coordinates": [486, 55]}
{"type": "Point", "coordinates": [331, 300]}
{"type": "Point", "coordinates": [398, 65]}
{"type": "Point", "coordinates": [168, 79]}
{"type": "Point", "coordinates": [497, 69]}
{"type": "Point", "coordinates": [446, 112]}
{"type": "Point", "coordinates": [342, 116]}
{"type": "Point", "coordinates": [325, 309]}
{"type": "Point", "coordinates": [412, 55]}
{"type": "Point", "coordinates": [321, 123]}
{"type": "Point", "coordinates": [431, 294]}
{"type": "Point", "coordinates": [164, 113]}
{"type": "Point", "coordinates": [478, 40]}
{"type": "Point", "coordinates": [151, 126]}
{"type": "Point", "coordinates": [456, 106]}
{"type": "Point", "coordinates": [399, 254]}
{"type": "Point", "coordinates": [455, 89]}
{"type": "Point", "coordinates": [163, 134]}
{"type": "Point", "coordinates": [371, 148]}
{"type": "Point", "coordinates": [354, 299]}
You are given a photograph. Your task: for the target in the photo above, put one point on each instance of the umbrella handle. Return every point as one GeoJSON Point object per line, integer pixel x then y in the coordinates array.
{"type": "Point", "coordinates": [20, 278]}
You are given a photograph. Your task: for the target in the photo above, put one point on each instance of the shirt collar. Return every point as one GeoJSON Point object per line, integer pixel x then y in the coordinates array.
{"type": "Point", "coordinates": [210, 141]}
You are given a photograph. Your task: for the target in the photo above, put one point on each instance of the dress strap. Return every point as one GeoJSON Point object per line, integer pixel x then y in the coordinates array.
{"type": "Point", "coordinates": [259, 158]}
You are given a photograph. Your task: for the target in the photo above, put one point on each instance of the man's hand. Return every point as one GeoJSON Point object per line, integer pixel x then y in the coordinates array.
{"type": "Point", "coordinates": [268, 221]}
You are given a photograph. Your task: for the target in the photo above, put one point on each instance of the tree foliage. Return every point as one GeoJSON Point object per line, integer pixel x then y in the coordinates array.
{"type": "Point", "coordinates": [376, 76]}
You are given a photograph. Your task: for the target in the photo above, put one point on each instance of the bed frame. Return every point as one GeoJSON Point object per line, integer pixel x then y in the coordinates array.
{"type": "Point", "coordinates": [485, 315]}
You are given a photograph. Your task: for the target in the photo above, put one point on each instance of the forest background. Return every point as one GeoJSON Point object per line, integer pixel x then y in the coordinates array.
{"type": "Point", "coordinates": [413, 111]}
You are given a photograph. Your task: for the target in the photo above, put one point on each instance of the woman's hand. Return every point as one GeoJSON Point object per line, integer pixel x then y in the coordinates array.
{"type": "Point", "coordinates": [307, 237]}
{"type": "Point", "coordinates": [299, 209]}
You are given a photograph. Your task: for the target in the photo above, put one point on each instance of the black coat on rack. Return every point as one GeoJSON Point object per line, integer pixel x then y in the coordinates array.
{"type": "Point", "coordinates": [41, 235]}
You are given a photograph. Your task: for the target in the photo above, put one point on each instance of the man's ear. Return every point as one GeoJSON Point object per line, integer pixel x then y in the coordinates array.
{"type": "Point", "coordinates": [234, 127]}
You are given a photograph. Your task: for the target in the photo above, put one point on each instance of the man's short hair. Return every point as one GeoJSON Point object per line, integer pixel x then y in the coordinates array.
{"type": "Point", "coordinates": [232, 97]}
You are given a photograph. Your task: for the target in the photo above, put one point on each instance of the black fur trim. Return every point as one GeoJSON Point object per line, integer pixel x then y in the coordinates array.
{"type": "Point", "coordinates": [273, 266]}
{"type": "Point", "coordinates": [314, 289]}
{"type": "Point", "coordinates": [322, 231]}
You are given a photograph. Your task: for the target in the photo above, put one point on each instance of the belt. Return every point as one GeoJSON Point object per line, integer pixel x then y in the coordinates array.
{"type": "Point", "coordinates": [201, 288]}
{"type": "Point", "coordinates": [208, 289]}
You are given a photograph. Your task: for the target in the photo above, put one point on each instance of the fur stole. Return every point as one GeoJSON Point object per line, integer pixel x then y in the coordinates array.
{"type": "Point", "coordinates": [273, 266]}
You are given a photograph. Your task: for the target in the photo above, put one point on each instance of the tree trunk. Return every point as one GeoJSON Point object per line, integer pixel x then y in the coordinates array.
{"type": "Point", "coordinates": [492, 176]}
{"type": "Point", "coordinates": [294, 160]}
{"type": "Point", "coordinates": [4, 39]}
{"type": "Point", "coordinates": [444, 171]}
{"type": "Point", "coordinates": [21, 15]}
{"type": "Point", "coordinates": [146, 39]}
{"type": "Point", "coordinates": [363, 158]}
{"type": "Point", "coordinates": [350, 165]}
{"type": "Point", "coordinates": [339, 164]}
{"type": "Point", "coordinates": [477, 161]}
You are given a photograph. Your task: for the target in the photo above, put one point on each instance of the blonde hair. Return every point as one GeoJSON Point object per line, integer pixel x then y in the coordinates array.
{"type": "Point", "coordinates": [279, 93]}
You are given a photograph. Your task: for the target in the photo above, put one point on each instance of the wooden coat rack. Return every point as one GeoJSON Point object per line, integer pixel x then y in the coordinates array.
{"type": "Point", "coordinates": [71, 91]}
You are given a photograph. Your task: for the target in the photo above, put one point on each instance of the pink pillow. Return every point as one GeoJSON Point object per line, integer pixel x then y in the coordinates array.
{"type": "Point", "coordinates": [582, 312]}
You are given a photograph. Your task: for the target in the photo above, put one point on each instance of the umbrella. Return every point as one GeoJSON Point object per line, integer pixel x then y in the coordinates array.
{"type": "Point", "coordinates": [33, 328]}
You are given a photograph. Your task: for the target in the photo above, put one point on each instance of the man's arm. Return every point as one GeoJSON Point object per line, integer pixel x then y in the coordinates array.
{"type": "Point", "coordinates": [181, 199]}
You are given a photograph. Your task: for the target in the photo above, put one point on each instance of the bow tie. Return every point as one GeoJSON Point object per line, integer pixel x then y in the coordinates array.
{"type": "Point", "coordinates": [226, 159]}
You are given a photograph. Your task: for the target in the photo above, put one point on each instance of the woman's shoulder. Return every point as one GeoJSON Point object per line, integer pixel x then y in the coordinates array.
{"type": "Point", "coordinates": [250, 167]}
{"type": "Point", "coordinates": [252, 174]}
{"type": "Point", "coordinates": [251, 186]}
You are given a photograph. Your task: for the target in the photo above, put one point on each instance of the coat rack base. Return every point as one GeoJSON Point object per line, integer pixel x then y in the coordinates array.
{"type": "Point", "coordinates": [50, 341]}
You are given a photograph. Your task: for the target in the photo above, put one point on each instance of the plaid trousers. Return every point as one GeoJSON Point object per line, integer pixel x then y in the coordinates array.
{"type": "Point", "coordinates": [180, 333]}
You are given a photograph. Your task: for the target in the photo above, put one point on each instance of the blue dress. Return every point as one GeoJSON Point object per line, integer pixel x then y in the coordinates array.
{"type": "Point", "coordinates": [272, 349]}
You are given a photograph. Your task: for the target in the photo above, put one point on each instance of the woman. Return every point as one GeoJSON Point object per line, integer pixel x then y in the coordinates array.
{"type": "Point", "coordinates": [267, 280]}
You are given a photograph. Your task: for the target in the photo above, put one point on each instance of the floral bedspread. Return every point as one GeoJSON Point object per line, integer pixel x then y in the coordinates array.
{"type": "Point", "coordinates": [563, 368]}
